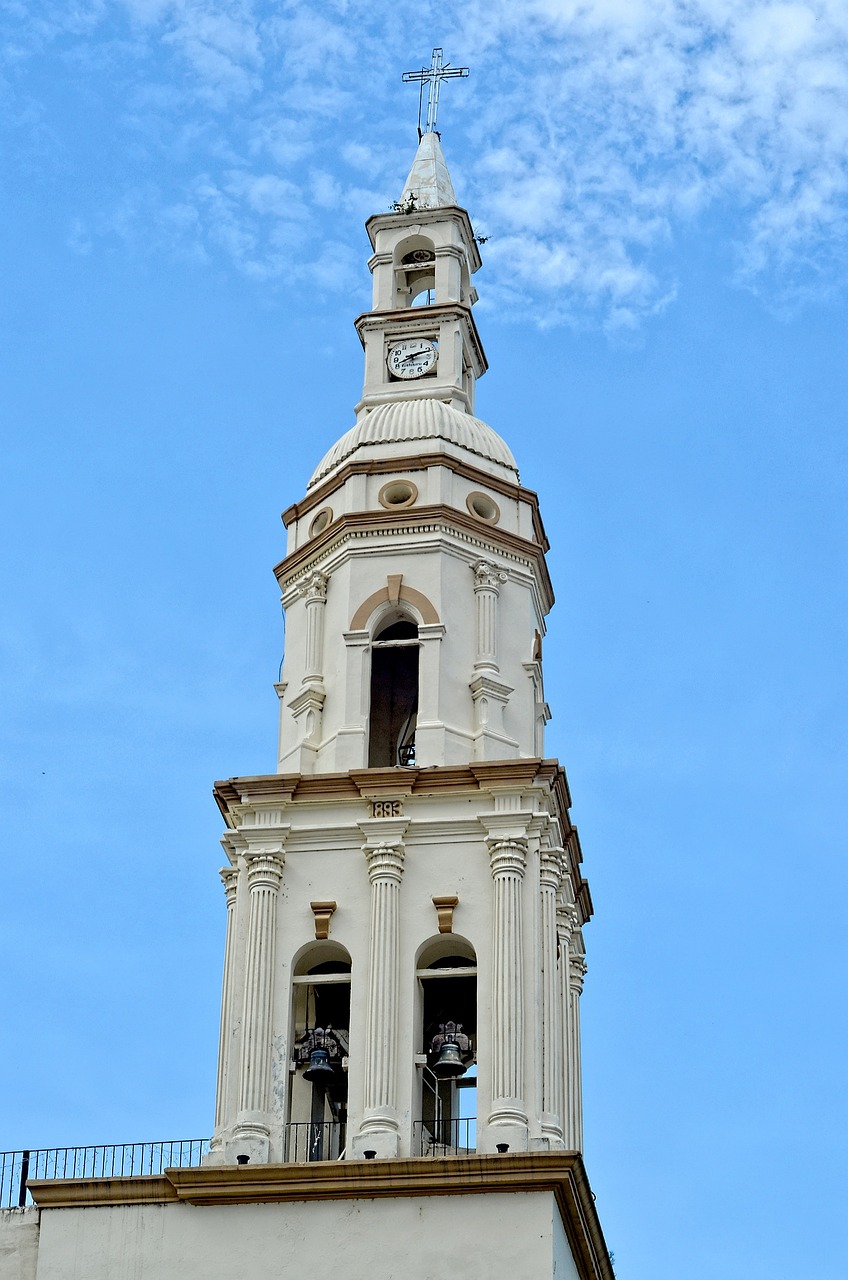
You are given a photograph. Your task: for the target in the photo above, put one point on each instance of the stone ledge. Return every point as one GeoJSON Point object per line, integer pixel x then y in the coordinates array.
{"type": "Point", "coordinates": [560, 1173]}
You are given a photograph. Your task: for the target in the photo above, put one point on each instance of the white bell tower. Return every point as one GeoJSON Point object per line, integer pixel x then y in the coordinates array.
{"type": "Point", "coordinates": [404, 949]}
{"type": "Point", "coordinates": [400, 1023]}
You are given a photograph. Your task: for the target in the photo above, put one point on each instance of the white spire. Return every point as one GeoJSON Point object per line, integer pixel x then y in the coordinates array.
{"type": "Point", "coordinates": [429, 181]}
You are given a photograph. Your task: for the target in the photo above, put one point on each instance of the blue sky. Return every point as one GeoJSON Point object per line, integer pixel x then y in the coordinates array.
{"type": "Point", "coordinates": [663, 303]}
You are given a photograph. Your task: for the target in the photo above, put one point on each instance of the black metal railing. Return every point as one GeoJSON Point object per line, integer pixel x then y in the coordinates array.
{"type": "Point", "coordinates": [445, 1137]}
{"type": "Point", "coordinates": [124, 1160]}
{"type": "Point", "coordinates": [306, 1141]}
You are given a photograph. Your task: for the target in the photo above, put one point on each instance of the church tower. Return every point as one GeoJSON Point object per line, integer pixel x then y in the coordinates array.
{"type": "Point", "coordinates": [399, 1066]}
{"type": "Point", "coordinates": [404, 948]}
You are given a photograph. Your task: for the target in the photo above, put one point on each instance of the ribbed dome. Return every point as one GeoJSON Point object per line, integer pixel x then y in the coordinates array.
{"type": "Point", "coordinates": [419, 420]}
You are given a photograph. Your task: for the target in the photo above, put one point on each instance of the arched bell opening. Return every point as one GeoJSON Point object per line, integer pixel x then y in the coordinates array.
{"type": "Point", "coordinates": [415, 270]}
{"type": "Point", "coordinates": [320, 1025]}
{"type": "Point", "coordinates": [394, 693]}
{"type": "Point", "coordinates": [447, 979]}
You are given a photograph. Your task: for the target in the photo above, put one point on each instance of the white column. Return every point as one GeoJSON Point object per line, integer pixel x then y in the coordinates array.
{"type": "Point", "coordinates": [577, 972]}
{"type": "Point", "coordinates": [264, 873]}
{"type": "Point", "coordinates": [229, 877]}
{"type": "Point", "coordinates": [314, 592]}
{"type": "Point", "coordinates": [564, 998]}
{"type": "Point", "coordinates": [508, 1116]}
{"type": "Point", "coordinates": [487, 581]}
{"type": "Point", "coordinates": [572, 968]}
{"type": "Point", "coordinates": [550, 874]}
{"type": "Point", "coordinates": [379, 1131]}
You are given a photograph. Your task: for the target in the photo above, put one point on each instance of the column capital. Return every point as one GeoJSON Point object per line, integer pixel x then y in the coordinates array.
{"type": "Point", "coordinates": [229, 879]}
{"type": "Point", "coordinates": [576, 972]}
{"type": "Point", "coordinates": [313, 587]}
{"type": "Point", "coordinates": [487, 576]}
{"type": "Point", "coordinates": [385, 861]}
{"type": "Point", "coordinates": [507, 856]}
{"type": "Point", "coordinates": [550, 869]}
{"type": "Point", "coordinates": [265, 870]}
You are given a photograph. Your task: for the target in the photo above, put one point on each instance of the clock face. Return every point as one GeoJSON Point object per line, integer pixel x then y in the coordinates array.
{"type": "Point", "coordinates": [412, 359]}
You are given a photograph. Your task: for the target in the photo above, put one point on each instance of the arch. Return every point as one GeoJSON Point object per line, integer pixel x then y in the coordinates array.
{"type": "Point", "coordinates": [318, 952]}
{"type": "Point", "coordinates": [446, 1018]}
{"type": "Point", "coordinates": [388, 595]}
{"type": "Point", "coordinates": [319, 1027]}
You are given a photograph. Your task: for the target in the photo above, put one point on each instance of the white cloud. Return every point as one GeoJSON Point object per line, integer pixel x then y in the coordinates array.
{"type": "Point", "coordinates": [589, 135]}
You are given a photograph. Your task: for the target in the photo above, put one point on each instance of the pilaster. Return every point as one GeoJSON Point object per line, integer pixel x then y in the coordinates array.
{"type": "Point", "coordinates": [384, 853]}
{"type": "Point", "coordinates": [253, 1125]}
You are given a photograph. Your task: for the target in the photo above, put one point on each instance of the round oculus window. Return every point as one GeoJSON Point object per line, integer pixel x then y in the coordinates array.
{"type": "Point", "coordinates": [320, 521]}
{"type": "Point", "coordinates": [397, 493]}
{"type": "Point", "coordinates": [483, 507]}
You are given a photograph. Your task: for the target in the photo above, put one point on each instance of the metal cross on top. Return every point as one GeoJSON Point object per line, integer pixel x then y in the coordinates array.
{"type": "Point", "coordinates": [433, 77]}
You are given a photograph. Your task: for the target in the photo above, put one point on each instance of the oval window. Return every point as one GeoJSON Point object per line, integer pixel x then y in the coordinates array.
{"type": "Point", "coordinates": [398, 493]}
{"type": "Point", "coordinates": [320, 521]}
{"type": "Point", "coordinates": [483, 507]}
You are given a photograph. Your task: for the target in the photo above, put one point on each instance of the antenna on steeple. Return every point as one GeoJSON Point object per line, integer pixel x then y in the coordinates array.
{"type": "Point", "coordinates": [432, 76]}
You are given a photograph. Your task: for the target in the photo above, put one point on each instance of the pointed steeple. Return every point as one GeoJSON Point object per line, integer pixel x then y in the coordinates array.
{"type": "Point", "coordinates": [429, 181]}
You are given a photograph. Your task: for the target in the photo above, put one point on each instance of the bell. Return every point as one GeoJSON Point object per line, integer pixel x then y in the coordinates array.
{"type": "Point", "coordinates": [449, 1063]}
{"type": "Point", "coordinates": [319, 1070]}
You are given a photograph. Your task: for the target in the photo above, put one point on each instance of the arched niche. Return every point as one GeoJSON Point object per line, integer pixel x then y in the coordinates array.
{"type": "Point", "coordinates": [320, 1022]}
{"type": "Point", "coordinates": [446, 970]}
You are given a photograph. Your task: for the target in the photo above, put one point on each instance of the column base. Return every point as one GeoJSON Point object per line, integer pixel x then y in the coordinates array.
{"type": "Point", "coordinates": [385, 1143]}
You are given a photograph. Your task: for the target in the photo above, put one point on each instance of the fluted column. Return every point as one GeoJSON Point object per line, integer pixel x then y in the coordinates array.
{"type": "Point", "coordinates": [564, 999]}
{"type": "Point", "coordinates": [508, 859]}
{"type": "Point", "coordinates": [379, 1129]}
{"type": "Point", "coordinates": [229, 878]}
{"type": "Point", "coordinates": [577, 972]}
{"type": "Point", "coordinates": [487, 581]}
{"type": "Point", "coordinates": [550, 874]}
{"type": "Point", "coordinates": [313, 589]}
{"type": "Point", "coordinates": [264, 873]}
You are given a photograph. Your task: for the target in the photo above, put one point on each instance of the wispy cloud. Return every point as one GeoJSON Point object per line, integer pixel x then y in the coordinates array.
{"type": "Point", "coordinates": [590, 137]}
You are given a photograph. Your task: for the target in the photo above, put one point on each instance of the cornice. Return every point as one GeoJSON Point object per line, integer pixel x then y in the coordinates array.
{"type": "Point", "coordinates": [405, 522]}
{"type": "Point", "coordinates": [357, 785]}
{"type": "Point", "coordinates": [417, 462]}
{"type": "Point", "coordinates": [560, 1173]}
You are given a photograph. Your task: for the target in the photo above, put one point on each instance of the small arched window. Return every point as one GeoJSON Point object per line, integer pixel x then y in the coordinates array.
{"type": "Point", "coordinates": [394, 695]}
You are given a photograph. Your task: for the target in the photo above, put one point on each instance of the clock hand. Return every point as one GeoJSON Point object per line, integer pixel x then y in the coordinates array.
{"type": "Point", "coordinates": [413, 355]}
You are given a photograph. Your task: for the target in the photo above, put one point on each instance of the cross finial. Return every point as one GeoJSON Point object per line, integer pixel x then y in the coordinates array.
{"type": "Point", "coordinates": [432, 76]}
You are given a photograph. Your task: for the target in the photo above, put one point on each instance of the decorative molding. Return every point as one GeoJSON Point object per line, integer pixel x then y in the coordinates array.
{"type": "Point", "coordinates": [391, 594]}
{"type": "Point", "coordinates": [444, 911]}
{"type": "Point", "coordinates": [410, 519]}
{"type": "Point", "coordinates": [313, 586]}
{"type": "Point", "coordinates": [322, 912]}
{"type": "Point", "coordinates": [487, 576]}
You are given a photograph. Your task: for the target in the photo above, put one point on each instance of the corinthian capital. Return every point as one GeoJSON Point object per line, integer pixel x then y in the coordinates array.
{"type": "Point", "coordinates": [313, 586]}
{"type": "Point", "coordinates": [487, 576]}
{"type": "Point", "coordinates": [385, 861]}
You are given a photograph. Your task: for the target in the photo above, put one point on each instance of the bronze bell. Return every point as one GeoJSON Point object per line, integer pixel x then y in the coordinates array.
{"type": "Point", "coordinates": [319, 1070]}
{"type": "Point", "coordinates": [449, 1064]}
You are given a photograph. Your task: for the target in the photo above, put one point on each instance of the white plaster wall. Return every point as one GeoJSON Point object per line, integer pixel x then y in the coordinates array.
{"type": "Point", "coordinates": [564, 1267]}
{"type": "Point", "coordinates": [419, 1238]}
{"type": "Point", "coordinates": [18, 1244]}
